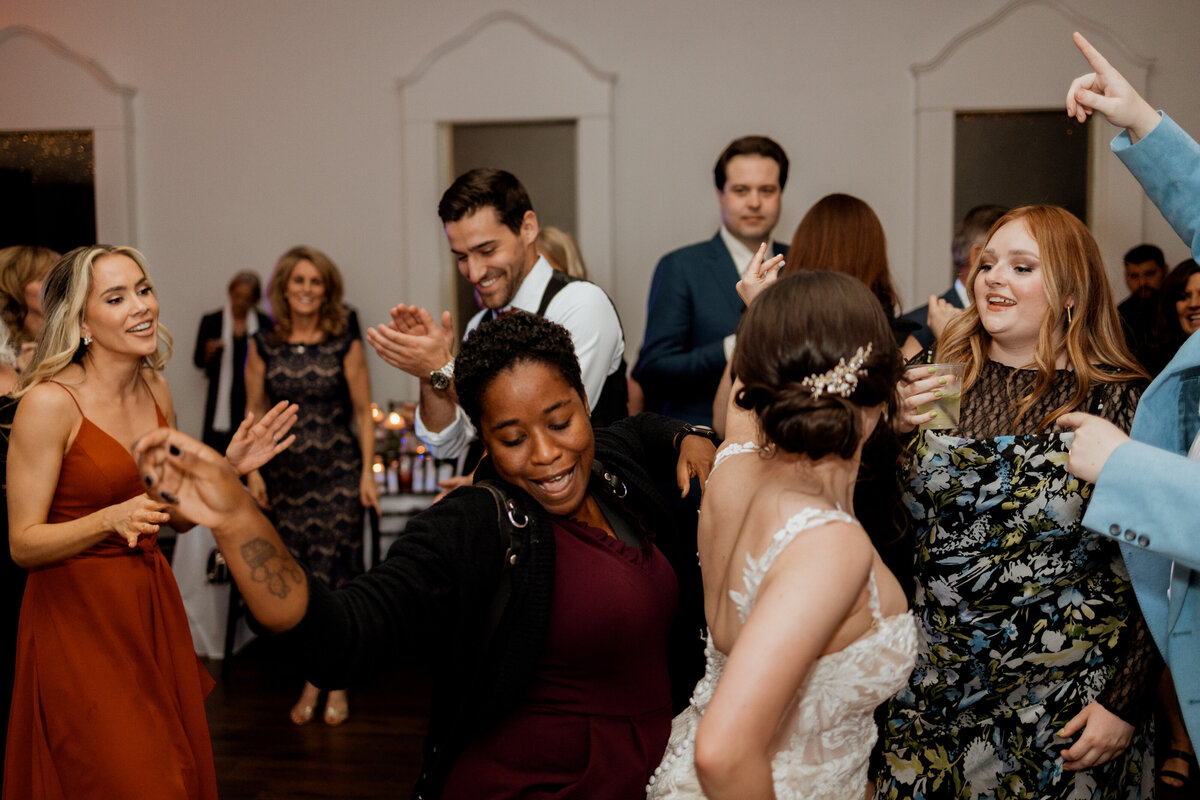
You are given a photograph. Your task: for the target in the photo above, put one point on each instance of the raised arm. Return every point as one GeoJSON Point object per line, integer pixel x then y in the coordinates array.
{"type": "Point", "coordinates": [441, 574]}
{"type": "Point", "coordinates": [1163, 158]}
{"type": "Point", "coordinates": [41, 430]}
{"type": "Point", "coordinates": [203, 485]}
{"type": "Point", "coordinates": [1106, 90]}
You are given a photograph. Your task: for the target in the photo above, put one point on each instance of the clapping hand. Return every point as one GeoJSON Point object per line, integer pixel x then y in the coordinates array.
{"type": "Point", "coordinates": [413, 341]}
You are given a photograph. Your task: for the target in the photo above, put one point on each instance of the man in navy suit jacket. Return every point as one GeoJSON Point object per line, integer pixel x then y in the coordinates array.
{"type": "Point", "coordinates": [969, 239]}
{"type": "Point", "coordinates": [694, 309]}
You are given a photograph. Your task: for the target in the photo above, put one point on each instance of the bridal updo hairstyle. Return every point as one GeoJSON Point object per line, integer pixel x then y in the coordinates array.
{"type": "Point", "coordinates": [802, 326]}
{"type": "Point", "coordinates": [499, 344]}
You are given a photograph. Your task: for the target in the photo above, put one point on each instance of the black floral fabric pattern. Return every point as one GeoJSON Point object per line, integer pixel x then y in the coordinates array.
{"type": "Point", "coordinates": [1025, 616]}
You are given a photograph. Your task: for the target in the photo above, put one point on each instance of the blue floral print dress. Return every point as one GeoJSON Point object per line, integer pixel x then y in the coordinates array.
{"type": "Point", "coordinates": [1025, 617]}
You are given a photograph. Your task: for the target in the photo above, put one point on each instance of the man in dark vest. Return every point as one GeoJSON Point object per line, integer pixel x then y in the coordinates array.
{"type": "Point", "coordinates": [492, 230]}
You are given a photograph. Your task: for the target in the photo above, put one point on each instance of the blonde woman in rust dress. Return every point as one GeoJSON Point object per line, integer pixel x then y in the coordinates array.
{"type": "Point", "coordinates": [109, 695]}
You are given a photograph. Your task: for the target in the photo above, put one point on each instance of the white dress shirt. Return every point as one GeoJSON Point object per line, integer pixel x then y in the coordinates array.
{"type": "Point", "coordinates": [584, 310]}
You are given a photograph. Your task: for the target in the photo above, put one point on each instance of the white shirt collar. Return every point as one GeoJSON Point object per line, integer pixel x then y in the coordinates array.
{"type": "Point", "coordinates": [529, 295]}
{"type": "Point", "coordinates": [742, 255]}
{"type": "Point", "coordinates": [962, 292]}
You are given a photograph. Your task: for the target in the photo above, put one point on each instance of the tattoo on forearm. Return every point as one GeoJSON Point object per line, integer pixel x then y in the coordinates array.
{"type": "Point", "coordinates": [269, 566]}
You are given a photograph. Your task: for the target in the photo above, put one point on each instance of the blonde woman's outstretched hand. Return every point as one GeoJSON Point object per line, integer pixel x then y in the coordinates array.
{"type": "Point", "coordinates": [256, 443]}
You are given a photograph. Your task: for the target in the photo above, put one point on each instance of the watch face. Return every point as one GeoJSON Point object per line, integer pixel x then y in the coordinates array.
{"type": "Point", "coordinates": [440, 380]}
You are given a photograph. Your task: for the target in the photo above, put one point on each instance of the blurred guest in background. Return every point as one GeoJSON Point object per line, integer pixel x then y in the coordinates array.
{"type": "Point", "coordinates": [559, 248]}
{"type": "Point", "coordinates": [221, 347]}
{"type": "Point", "coordinates": [1177, 317]}
{"type": "Point", "coordinates": [1145, 270]}
{"type": "Point", "coordinates": [22, 268]}
{"type": "Point", "coordinates": [841, 233]}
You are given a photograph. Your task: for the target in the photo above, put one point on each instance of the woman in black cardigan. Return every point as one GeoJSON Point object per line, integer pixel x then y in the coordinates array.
{"type": "Point", "coordinates": [557, 651]}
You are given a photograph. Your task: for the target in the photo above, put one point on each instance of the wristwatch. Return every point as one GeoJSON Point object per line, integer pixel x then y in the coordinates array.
{"type": "Point", "coordinates": [442, 378]}
{"type": "Point", "coordinates": [689, 429]}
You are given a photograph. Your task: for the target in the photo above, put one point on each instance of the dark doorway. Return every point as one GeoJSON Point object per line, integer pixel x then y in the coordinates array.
{"type": "Point", "coordinates": [542, 156]}
{"type": "Point", "coordinates": [1017, 158]}
{"type": "Point", "coordinates": [47, 189]}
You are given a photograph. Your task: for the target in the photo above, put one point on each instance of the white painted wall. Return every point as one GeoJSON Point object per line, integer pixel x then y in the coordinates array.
{"type": "Point", "coordinates": [263, 124]}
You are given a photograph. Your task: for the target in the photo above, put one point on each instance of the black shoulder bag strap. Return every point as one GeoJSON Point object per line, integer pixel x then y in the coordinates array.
{"type": "Point", "coordinates": [509, 518]}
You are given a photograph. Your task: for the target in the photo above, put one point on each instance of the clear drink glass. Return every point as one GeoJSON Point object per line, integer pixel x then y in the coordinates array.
{"type": "Point", "coordinates": [947, 407]}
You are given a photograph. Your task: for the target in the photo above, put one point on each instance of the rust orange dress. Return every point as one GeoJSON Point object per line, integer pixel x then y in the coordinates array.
{"type": "Point", "coordinates": [108, 698]}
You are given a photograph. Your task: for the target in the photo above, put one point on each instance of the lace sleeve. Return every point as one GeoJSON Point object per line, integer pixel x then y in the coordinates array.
{"type": "Point", "coordinates": [1130, 692]}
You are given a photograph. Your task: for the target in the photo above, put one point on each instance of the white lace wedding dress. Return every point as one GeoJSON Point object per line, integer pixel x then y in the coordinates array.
{"type": "Point", "coordinates": [826, 738]}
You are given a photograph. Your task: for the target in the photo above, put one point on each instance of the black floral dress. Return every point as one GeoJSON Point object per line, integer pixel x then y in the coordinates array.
{"type": "Point", "coordinates": [1025, 617]}
{"type": "Point", "coordinates": [314, 484]}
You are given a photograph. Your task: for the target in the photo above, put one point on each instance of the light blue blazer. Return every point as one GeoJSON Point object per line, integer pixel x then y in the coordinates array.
{"type": "Point", "coordinates": [1148, 494]}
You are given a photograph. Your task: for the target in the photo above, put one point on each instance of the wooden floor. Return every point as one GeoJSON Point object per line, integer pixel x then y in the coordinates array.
{"type": "Point", "coordinates": [260, 754]}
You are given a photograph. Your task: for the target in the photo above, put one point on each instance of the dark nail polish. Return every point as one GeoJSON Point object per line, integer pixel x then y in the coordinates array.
{"type": "Point", "coordinates": [173, 450]}
{"type": "Point", "coordinates": [146, 479]}
{"type": "Point", "coordinates": [170, 498]}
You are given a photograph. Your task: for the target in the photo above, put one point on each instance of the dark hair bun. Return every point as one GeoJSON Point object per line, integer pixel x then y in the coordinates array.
{"type": "Point", "coordinates": [804, 326]}
{"type": "Point", "coordinates": [799, 423]}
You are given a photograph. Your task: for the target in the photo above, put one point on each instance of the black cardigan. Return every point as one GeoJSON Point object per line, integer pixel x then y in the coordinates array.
{"type": "Point", "coordinates": [435, 590]}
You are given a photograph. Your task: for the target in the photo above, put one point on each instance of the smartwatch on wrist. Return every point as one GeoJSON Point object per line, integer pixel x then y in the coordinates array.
{"type": "Point", "coordinates": [689, 429]}
{"type": "Point", "coordinates": [442, 378]}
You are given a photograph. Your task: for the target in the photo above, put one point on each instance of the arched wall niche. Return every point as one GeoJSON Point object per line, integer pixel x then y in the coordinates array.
{"type": "Point", "coordinates": [501, 68]}
{"type": "Point", "coordinates": [49, 86]}
{"type": "Point", "coordinates": [982, 69]}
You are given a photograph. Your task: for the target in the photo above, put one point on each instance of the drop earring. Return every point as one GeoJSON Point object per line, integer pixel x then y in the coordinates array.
{"type": "Point", "coordinates": [1068, 316]}
{"type": "Point", "coordinates": [87, 339]}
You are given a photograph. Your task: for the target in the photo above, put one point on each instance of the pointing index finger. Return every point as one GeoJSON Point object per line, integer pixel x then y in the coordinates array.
{"type": "Point", "coordinates": [1098, 62]}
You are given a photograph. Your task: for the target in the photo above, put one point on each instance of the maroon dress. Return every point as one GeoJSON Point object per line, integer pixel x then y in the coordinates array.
{"type": "Point", "coordinates": [595, 720]}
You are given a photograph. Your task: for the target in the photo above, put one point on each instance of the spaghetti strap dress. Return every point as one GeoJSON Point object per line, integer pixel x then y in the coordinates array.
{"type": "Point", "coordinates": [109, 694]}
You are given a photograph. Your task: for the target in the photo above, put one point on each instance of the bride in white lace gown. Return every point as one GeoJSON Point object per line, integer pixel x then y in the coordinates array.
{"type": "Point", "coordinates": [808, 630]}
